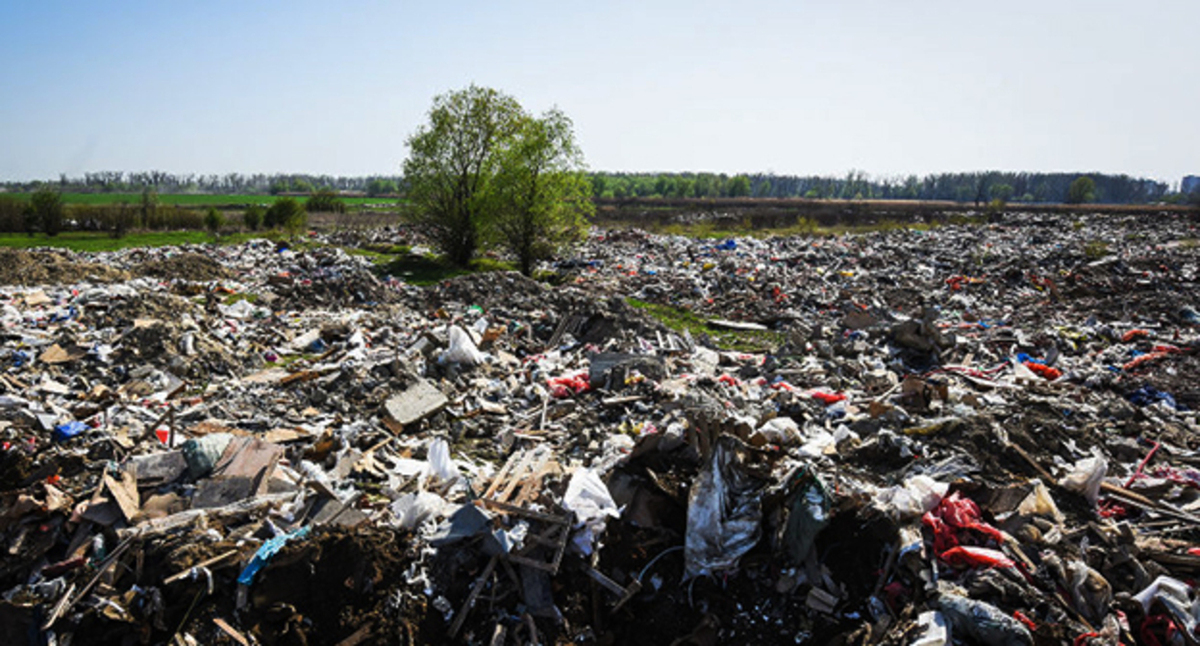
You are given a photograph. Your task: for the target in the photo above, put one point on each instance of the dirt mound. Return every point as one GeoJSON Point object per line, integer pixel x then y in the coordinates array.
{"type": "Point", "coordinates": [22, 267]}
{"type": "Point", "coordinates": [184, 266]}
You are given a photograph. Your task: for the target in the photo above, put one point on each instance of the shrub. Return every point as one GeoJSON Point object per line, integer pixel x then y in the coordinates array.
{"type": "Point", "coordinates": [47, 210]}
{"type": "Point", "coordinates": [12, 213]}
{"type": "Point", "coordinates": [253, 217]}
{"type": "Point", "coordinates": [325, 201]}
{"type": "Point", "coordinates": [214, 220]}
{"type": "Point", "coordinates": [287, 213]}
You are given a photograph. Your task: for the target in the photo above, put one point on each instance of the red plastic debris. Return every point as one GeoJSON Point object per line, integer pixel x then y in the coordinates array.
{"type": "Point", "coordinates": [1044, 371]}
{"type": "Point", "coordinates": [563, 387]}
{"type": "Point", "coordinates": [953, 519]}
{"type": "Point", "coordinates": [1145, 359]}
{"type": "Point", "coordinates": [828, 398]}
{"type": "Point", "coordinates": [968, 557]}
{"type": "Point", "coordinates": [1134, 334]}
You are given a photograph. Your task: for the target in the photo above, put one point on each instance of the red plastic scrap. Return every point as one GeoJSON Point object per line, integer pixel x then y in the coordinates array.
{"type": "Point", "coordinates": [828, 398]}
{"type": "Point", "coordinates": [1044, 371]}
{"type": "Point", "coordinates": [1144, 359]}
{"type": "Point", "coordinates": [563, 387]}
{"type": "Point", "coordinates": [1134, 334]}
{"type": "Point", "coordinates": [970, 557]}
{"type": "Point", "coordinates": [729, 380]}
{"type": "Point", "coordinates": [1020, 616]}
{"type": "Point", "coordinates": [952, 518]}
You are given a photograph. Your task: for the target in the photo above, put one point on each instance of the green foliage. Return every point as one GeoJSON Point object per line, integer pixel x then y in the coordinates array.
{"type": "Point", "coordinates": [46, 208]}
{"type": "Point", "coordinates": [302, 186]}
{"type": "Point", "coordinates": [739, 187]}
{"type": "Point", "coordinates": [149, 205]}
{"type": "Point", "coordinates": [542, 196]}
{"type": "Point", "coordinates": [252, 219]}
{"type": "Point", "coordinates": [1002, 192]}
{"type": "Point", "coordinates": [12, 213]}
{"type": "Point", "coordinates": [214, 220]}
{"type": "Point", "coordinates": [378, 186]}
{"type": "Point", "coordinates": [279, 186]}
{"type": "Point", "coordinates": [325, 201]}
{"type": "Point", "coordinates": [1081, 191]}
{"type": "Point", "coordinates": [286, 213]}
{"type": "Point", "coordinates": [451, 164]}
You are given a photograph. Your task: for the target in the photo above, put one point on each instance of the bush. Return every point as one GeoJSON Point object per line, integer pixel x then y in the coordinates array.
{"type": "Point", "coordinates": [286, 213]}
{"type": "Point", "coordinates": [47, 211]}
{"type": "Point", "coordinates": [253, 217]}
{"type": "Point", "coordinates": [214, 220]}
{"type": "Point", "coordinates": [325, 201]}
{"type": "Point", "coordinates": [12, 213]}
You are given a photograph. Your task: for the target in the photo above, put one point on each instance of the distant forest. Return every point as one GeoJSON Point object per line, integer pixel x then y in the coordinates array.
{"type": "Point", "coordinates": [977, 187]}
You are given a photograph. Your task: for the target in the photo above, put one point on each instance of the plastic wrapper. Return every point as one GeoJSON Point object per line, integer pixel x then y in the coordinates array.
{"type": "Point", "coordinates": [1086, 477]}
{"type": "Point", "coordinates": [440, 465]}
{"type": "Point", "coordinates": [724, 518]}
{"type": "Point", "coordinates": [462, 349]}
{"type": "Point", "coordinates": [983, 622]}
{"type": "Point", "coordinates": [918, 495]}
{"type": "Point", "coordinates": [589, 499]}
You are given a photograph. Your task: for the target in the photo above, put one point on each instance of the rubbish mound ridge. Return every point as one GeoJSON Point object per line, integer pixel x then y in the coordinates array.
{"type": "Point", "coordinates": [44, 267]}
{"type": "Point", "coordinates": [966, 435]}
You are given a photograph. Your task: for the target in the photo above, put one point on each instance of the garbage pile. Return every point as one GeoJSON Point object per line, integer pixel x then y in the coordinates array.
{"type": "Point", "coordinates": [966, 435]}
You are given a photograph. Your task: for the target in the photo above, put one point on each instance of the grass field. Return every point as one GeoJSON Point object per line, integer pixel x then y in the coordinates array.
{"type": "Point", "coordinates": [95, 241]}
{"type": "Point", "coordinates": [196, 199]}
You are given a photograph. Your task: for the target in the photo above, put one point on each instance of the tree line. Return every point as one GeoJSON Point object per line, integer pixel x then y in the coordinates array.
{"type": "Point", "coordinates": [977, 187]}
{"type": "Point", "coordinates": [227, 184]}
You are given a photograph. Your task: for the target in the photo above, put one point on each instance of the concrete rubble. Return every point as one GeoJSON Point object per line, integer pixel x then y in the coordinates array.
{"type": "Point", "coordinates": [962, 435]}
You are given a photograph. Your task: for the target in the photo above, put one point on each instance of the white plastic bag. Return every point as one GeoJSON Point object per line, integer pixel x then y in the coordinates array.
{"type": "Point", "coordinates": [440, 465]}
{"type": "Point", "coordinates": [462, 349]}
{"type": "Point", "coordinates": [413, 509]}
{"type": "Point", "coordinates": [1086, 477]}
{"type": "Point", "coordinates": [918, 494]}
{"type": "Point", "coordinates": [588, 498]}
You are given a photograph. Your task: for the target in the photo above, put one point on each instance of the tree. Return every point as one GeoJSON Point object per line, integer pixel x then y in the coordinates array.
{"type": "Point", "coordinates": [47, 211]}
{"type": "Point", "coordinates": [325, 201]}
{"type": "Point", "coordinates": [253, 217]}
{"type": "Point", "coordinates": [149, 207]}
{"type": "Point", "coordinates": [286, 212]}
{"type": "Point", "coordinates": [542, 195]}
{"type": "Point", "coordinates": [1002, 192]}
{"type": "Point", "coordinates": [1081, 191]}
{"type": "Point", "coordinates": [738, 186]}
{"type": "Point", "coordinates": [451, 163]}
{"type": "Point", "coordinates": [378, 186]}
{"type": "Point", "coordinates": [214, 219]}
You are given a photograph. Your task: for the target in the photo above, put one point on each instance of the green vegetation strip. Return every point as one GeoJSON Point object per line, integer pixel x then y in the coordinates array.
{"type": "Point", "coordinates": [199, 199]}
{"type": "Point", "coordinates": [737, 340]}
{"type": "Point", "coordinates": [98, 241]}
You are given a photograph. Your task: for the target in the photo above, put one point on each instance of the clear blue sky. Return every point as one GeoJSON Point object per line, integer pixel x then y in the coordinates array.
{"type": "Point", "coordinates": [886, 86]}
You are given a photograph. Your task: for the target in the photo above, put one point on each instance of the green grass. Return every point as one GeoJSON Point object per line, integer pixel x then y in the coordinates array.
{"type": "Point", "coordinates": [679, 320]}
{"type": "Point", "coordinates": [99, 241]}
{"type": "Point", "coordinates": [197, 199]}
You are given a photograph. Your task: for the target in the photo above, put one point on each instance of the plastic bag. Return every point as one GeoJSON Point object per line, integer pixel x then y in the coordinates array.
{"type": "Point", "coordinates": [953, 517]}
{"type": "Point", "coordinates": [808, 514]}
{"type": "Point", "coordinates": [589, 499]}
{"type": "Point", "coordinates": [462, 349]}
{"type": "Point", "coordinates": [440, 465]}
{"type": "Point", "coordinates": [1086, 476]}
{"type": "Point", "coordinates": [983, 622]}
{"type": "Point", "coordinates": [724, 518]}
{"type": "Point", "coordinates": [918, 495]}
{"type": "Point", "coordinates": [413, 509]}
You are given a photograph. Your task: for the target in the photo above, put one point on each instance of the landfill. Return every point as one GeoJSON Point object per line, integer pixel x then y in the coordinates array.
{"type": "Point", "coordinates": [962, 434]}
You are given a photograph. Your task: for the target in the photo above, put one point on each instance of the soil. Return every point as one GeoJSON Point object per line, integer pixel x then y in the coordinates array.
{"type": "Point", "coordinates": [184, 266]}
{"type": "Point", "coordinates": [22, 267]}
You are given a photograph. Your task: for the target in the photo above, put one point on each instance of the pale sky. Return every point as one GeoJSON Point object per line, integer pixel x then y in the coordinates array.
{"type": "Point", "coordinates": [792, 87]}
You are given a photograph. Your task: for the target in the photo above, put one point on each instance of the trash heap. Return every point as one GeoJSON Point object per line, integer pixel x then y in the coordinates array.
{"type": "Point", "coordinates": [969, 435]}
